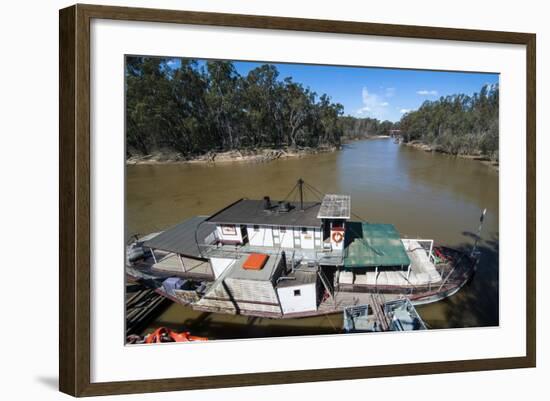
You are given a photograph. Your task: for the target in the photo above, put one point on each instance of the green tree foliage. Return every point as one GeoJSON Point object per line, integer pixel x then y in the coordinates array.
{"type": "Point", "coordinates": [194, 109]}
{"type": "Point", "coordinates": [201, 107]}
{"type": "Point", "coordinates": [358, 128]}
{"type": "Point", "coordinates": [457, 124]}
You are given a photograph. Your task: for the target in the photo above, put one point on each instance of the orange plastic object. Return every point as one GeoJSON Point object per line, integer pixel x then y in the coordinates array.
{"type": "Point", "coordinates": [255, 261]}
{"type": "Point", "coordinates": [162, 334]}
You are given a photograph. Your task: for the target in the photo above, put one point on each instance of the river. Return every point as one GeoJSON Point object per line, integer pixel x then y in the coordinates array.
{"type": "Point", "coordinates": [425, 195]}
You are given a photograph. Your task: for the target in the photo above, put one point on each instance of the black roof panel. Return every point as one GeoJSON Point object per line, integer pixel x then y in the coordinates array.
{"type": "Point", "coordinates": [181, 237]}
{"type": "Point", "coordinates": [247, 211]}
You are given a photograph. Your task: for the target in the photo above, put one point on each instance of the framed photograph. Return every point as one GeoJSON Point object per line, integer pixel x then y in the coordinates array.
{"type": "Point", "coordinates": [284, 200]}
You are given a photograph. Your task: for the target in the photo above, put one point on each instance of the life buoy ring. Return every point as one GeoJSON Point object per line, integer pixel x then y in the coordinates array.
{"type": "Point", "coordinates": [337, 237]}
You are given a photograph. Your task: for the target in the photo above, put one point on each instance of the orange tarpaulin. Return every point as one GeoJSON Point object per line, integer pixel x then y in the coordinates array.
{"type": "Point", "coordinates": [255, 261]}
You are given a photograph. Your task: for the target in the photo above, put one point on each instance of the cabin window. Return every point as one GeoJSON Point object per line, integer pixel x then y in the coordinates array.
{"type": "Point", "coordinates": [282, 230]}
{"type": "Point", "coordinates": [256, 228]}
{"type": "Point", "coordinates": [229, 230]}
{"type": "Point", "coordinates": [304, 230]}
{"type": "Point", "coordinates": [297, 293]}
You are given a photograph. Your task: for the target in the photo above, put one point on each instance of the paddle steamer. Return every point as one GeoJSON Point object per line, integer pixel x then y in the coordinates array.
{"type": "Point", "coordinates": [292, 259]}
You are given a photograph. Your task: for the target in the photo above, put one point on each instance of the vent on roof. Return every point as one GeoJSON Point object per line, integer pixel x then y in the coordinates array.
{"type": "Point", "coordinates": [284, 207]}
{"type": "Point", "coordinates": [267, 203]}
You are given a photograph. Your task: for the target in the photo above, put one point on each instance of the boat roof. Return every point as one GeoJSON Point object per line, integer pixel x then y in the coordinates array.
{"type": "Point", "coordinates": [238, 272]}
{"type": "Point", "coordinates": [335, 206]}
{"type": "Point", "coordinates": [250, 211]}
{"type": "Point", "coordinates": [371, 245]}
{"type": "Point", "coordinates": [298, 278]}
{"type": "Point", "coordinates": [181, 237]}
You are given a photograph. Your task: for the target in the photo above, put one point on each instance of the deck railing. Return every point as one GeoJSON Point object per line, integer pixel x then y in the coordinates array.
{"type": "Point", "coordinates": [238, 250]}
{"type": "Point", "coordinates": [426, 244]}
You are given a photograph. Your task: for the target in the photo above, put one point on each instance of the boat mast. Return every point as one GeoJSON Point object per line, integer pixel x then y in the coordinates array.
{"type": "Point", "coordinates": [301, 187]}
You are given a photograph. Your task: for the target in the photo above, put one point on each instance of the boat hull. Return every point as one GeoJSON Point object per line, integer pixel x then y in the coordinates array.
{"type": "Point", "coordinates": [343, 298]}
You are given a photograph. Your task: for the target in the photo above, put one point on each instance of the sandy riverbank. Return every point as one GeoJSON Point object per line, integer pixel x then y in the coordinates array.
{"type": "Point", "coordinates": [254, 156]}
{"type": "Point", "coordinates": [429, 148]}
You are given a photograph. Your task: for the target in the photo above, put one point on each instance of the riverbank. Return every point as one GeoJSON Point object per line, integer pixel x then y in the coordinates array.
{"type": "Point", "coordinates": [431, 148]}
{"type": "Point", "coordinates": [364, 138]}
{"type": "Point", "coordinates": [247, 155]}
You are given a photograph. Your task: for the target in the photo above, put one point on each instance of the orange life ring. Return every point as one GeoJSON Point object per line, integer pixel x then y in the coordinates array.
{"type": "Point", "coordinates": [337, 237]}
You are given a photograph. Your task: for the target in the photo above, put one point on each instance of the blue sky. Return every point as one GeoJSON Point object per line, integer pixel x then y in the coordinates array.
{"type": "Point", "coordinates": [381, 93]}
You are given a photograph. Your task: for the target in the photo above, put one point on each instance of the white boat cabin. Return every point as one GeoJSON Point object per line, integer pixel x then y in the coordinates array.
{"type": "Point", "coordinates": [298, 292]}
{"type": "Point", "coordinates": [282, 224]}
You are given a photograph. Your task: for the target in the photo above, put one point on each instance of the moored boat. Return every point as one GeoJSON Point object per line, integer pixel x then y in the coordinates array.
{"type": "Point", "coordinates": [290, 259]}
{"type": "Point", "coordinates": [397, 315]}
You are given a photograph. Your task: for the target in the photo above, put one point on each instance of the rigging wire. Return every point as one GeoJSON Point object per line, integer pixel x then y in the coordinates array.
{"type": "Point", "coordinates": [359, 217]}
{"type": "Point", "coordinates": [291, 191]}
{"type": "Point", "coordinates": [318, 194]}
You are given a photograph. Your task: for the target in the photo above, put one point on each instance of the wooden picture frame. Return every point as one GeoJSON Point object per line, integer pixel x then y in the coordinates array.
{"type": "Point", "coordinates": [74, 204]}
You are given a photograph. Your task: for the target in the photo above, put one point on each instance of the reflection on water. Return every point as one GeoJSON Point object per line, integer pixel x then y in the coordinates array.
{"type": "Point", "coordinates": [425, 195]}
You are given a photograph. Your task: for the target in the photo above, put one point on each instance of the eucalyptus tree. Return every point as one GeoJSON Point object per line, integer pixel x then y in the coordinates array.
{"type": "Point", "coordinates": [297, 109]}
{"type": "Point", "coordinates": [457, 124]}
{"type": "Point", "coordinates": [328, 117]}
{"type": "Point", "coordinates": [147, 101]}
{"type": "Point", "coordinates": [223, 102]}
{"type": "Point", "coordinates": [263, 102]}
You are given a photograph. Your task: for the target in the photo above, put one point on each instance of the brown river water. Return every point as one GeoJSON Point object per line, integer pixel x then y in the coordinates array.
{"type": "Point", "coordinates": [425, 195]}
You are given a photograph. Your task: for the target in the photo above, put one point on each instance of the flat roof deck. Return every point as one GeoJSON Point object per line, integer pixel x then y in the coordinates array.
{"type": "Point", "coordinates": [298, 278]}
{"type": "Point", "coordinates": [237, 271]}
{"type": "Point", "coordinates": [335, 206]}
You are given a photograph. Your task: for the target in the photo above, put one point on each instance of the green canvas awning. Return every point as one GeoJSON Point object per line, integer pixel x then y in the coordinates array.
{"type": "Point", "coordinates": [371, 245]}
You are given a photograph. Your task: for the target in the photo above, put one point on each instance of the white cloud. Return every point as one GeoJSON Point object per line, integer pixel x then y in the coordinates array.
{"type": "Point", "coordinates": [425, 92]}
{"type": "Point", "coordinates": [389, 92]}
{"type": "Point", "coordinates": [403, 111]}
{"type": "Point", "coordinates": [373, 105]}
